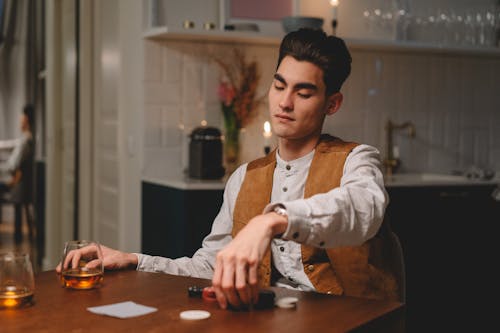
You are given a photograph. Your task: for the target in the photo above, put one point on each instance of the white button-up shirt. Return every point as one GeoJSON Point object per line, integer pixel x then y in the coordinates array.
{"type": "Point", "coordinates": [345, 216]}
{"type": "Point", "coordinates": [20, 149]}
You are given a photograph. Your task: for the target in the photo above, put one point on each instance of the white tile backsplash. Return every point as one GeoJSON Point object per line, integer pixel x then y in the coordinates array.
{"type": "Point", "coordinates": [452, 100]}
{"type": "Point", "coordinates": [152, 125]}
{"type": "Point", "coordinates": [171, 133]}
{"type": "Point", "coordinates": [172, 69]}
{"type": "Point", "coordinates": [161, 93]}
{"type": "Point", "coordinates": [154, 60]}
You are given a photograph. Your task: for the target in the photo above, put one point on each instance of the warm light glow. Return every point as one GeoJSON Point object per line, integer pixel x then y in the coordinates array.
{"type": "Point", "coordinates": [204, 123]}
{"type": "Point", "coordinates": [335, 6]}
{"type": "Point", "coordinates": [267, 130]}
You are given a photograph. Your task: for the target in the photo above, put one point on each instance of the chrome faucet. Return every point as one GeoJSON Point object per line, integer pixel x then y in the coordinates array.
{"type": "Point", "coordinates": [391, 162]}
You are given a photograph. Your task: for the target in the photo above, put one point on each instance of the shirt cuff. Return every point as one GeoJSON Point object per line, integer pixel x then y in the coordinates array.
{"type": "Point", "coordinates": [297, 230]}
{"type": "Point", "coordinates": [140, 258]}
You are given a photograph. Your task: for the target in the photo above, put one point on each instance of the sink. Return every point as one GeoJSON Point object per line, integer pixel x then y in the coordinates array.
{"type": "Point", "coordinates": [432, 177]}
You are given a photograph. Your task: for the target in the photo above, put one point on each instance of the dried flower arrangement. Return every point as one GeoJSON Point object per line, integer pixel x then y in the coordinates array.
{"type": "Point", "coordinates": [238, 86]}
{"type": "Point", "coordinates": [237, 92]}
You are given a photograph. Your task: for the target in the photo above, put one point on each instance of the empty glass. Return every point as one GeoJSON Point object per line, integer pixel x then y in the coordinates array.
{"type": "Point", "coordinates": [82, 265]}
{"type": "Point", "coordinates": [17, 283]}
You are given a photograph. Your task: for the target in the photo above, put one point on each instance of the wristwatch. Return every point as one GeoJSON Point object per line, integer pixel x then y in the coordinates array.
{"type": "Point", "coordinates": [280, 210]}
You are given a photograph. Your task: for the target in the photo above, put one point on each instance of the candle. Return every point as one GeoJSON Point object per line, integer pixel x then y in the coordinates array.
{"type": "Point", "coordinates": [335, 5]}
{"type": "Point", "coordinates": [267, 137]}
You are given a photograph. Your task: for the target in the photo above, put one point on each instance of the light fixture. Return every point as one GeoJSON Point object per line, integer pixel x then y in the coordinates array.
{"type": "Point", "coordinates": [335, 5]}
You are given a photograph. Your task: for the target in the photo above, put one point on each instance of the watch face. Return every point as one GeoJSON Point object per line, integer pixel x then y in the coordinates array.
{"type": "Point", "coordinates": [280, 210]}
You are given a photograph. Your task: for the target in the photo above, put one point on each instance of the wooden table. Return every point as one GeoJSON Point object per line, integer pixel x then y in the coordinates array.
{"type": "Point", "coordinates": [56, 309]}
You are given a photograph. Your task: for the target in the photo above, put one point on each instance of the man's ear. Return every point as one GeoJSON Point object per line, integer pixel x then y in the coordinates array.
{"type": "Point", "coordinates": [334, 102]}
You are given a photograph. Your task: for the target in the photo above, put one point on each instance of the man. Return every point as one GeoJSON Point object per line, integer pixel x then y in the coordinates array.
{"type": "Point", "coordinates": [308, 215]}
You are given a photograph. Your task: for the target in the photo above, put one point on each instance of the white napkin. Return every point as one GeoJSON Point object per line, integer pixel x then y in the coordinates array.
{"type": "Point", "coordinates": [122, 310]}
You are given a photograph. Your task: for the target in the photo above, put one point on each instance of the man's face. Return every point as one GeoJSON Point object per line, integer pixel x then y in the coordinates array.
{"type": "Point", "coordinates": [297, 102]}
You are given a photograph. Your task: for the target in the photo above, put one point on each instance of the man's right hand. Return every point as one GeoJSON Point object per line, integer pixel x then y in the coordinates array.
{"type": "Point", "coordinates": [113, 259]}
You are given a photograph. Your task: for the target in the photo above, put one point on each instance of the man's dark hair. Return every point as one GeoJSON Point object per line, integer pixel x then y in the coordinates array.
{"type": "Point", "coordinates": [29, 112]}
{"type": "Point", "coordinates": [329, 53]}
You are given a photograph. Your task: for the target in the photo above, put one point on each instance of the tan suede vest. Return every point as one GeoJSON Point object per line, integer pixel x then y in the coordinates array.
{"type": "Point", "coordinates": [362, 271]}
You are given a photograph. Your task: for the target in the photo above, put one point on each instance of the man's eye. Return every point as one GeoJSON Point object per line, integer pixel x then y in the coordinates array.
{"type": "Point", "coordinates": [278, 87]}
{"type": "Point", "coordinates": [304, 95]}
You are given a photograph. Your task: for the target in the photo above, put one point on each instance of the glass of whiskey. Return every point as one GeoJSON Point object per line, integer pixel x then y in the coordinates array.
{"type": "Point", "coordinates": [17, 283]}
{"type": "Point", "coordinates": [82, 265]}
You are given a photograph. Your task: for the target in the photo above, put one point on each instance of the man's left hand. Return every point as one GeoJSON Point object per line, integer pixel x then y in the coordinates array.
{"type": "Point", "coordinates": [235, 279]}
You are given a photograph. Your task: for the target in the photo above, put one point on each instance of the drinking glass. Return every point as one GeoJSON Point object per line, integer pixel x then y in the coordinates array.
{"type": "Point", "coordinates": [82, 265]}
{"type": "Point", "coordinates": [17, 283]}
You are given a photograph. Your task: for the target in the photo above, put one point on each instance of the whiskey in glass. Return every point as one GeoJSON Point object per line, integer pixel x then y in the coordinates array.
{"type": "Point", "coordinates": [82, 265]}
{"type": "Point", "coordinates": [17, 283]}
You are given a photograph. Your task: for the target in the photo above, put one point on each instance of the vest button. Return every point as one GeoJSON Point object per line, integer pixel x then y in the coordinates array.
{"type": "Point", "coordinates": [310, 268]}
{"type": "Point", "coordinates": [282, 248]}
{"type": "Point", "coordinates": [288, 167]}
{"type": "Point", "coordinates": [295, 235]}
{"type": "Point", "coordinates": [285, 189]}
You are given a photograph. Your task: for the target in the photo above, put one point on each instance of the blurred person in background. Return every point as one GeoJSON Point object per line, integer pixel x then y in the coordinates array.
{"type": "Point", "coordinates": [16, 184]}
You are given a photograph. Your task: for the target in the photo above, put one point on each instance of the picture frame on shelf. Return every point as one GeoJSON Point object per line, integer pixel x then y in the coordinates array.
{"type": "Point", "coordinates": [244, 15]}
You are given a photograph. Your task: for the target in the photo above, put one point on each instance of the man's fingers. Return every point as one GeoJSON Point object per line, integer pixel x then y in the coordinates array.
{"type": "Point", "coordinates": [111, 259]}
{"type": "Point", "coordinates": [253, 282]}
{"type": "Point", "coordinates": [241, 283]}
{"type": "Point", "coordinates": [227, 284]}
{"type": "Point", "coordinates": [216, 283]}
{"type": "Point", "coordinates": [75, 258]}
{"type": "Point", "coordinates": [94, 263]}
{"type": "Point", "coordinates": [71, 259]}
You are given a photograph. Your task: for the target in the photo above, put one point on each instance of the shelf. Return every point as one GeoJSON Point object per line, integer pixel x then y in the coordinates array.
{"type": "Point", "coordinates": [165, 33]}
{"type": "Point", "coordinates": [414, 46]}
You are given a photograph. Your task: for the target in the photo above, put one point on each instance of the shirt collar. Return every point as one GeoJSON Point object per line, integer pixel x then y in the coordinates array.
{"type": "Point", "coordinates": [297, 164]}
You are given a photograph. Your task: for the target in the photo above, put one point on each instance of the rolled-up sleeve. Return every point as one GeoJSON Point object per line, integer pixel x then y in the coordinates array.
{"type": "Point", "coordinates": [202, 263]}
{"type": "Point", "coordinates": [348, 215]}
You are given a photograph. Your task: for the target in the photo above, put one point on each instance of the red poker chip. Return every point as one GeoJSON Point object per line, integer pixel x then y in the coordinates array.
{"type": "Point", "coordinates": [208, 294]}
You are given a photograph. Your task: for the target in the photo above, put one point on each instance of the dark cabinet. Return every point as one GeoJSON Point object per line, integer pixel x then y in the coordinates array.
{"type": "Point", "coordinates": [446, 235]}
{"type": "Point", "coordinates": [175, 221]}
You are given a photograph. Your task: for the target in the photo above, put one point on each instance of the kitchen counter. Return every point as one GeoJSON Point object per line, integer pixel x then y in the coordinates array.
{"type": "Point", "coordinates": [183, 182]}
{"type": "Point", "coordinates": [435, 179]}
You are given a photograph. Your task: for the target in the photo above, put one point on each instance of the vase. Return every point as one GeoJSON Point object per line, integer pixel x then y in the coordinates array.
{"type": "Point", "coordinates": [232, 149]}
{"type": "Point", "coordinates": [231, 142]}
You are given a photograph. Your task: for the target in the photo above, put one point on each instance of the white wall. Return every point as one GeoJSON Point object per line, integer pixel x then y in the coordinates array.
{"type": "Point", "coordinates": [13, 93]}
{"type": "Point", "coordinates": [111, 117]}
{"type": "Point", "coordinates": [116, 124]}
{"type": "Point", "coordinates": [451, 99]}
{"type": "Point", "coordinates": [180, 87]}
{"type": "Point", "coordinates": [131, 106]}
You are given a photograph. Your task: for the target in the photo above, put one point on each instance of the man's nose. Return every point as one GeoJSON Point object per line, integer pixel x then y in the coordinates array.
{"type": "Point", "coordinates": [286, 102]}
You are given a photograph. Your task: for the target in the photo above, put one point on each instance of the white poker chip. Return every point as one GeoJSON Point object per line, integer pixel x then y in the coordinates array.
{"type": "Point", "coordinates": [194, 314]}
{"type": "Point", "coordinates": [286, 302]}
